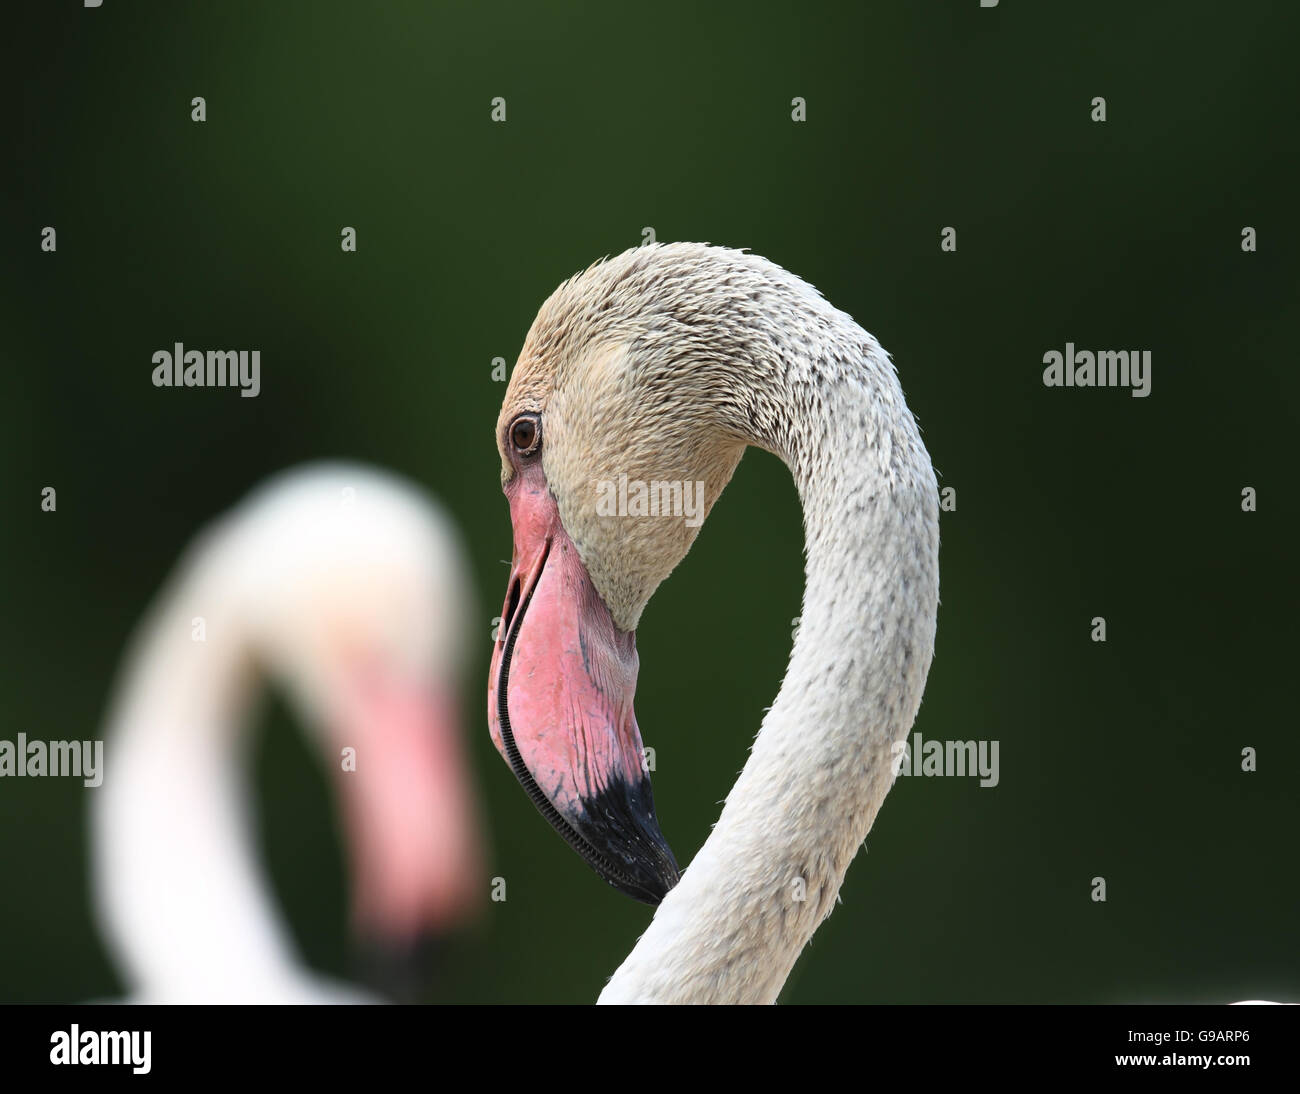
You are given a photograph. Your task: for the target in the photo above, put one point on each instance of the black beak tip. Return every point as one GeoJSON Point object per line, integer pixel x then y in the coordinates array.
{"type": "Point", "coordinates": [633, 855]}
{"type": "Point", "coordinates": [651, 890]}
{"type": "Point", "coordinates": [400, 970]}
{"type": "Point", "coordinates": [645, 877]}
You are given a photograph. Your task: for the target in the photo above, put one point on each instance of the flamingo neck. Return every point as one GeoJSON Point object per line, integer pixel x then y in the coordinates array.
{"type": "Point", "coordinates": [820, 767]}
{"type": "Point", "coordinates": [184, 906]}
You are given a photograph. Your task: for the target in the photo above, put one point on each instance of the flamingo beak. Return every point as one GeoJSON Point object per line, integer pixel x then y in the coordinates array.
{"type": "Point", "coordinates": [410, 817]}
{"type": "Point", "coordinates": [560, 703]}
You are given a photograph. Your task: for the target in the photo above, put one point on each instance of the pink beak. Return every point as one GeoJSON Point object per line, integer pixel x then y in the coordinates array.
{"type": "Point", "coordinates": [411, 817]}
{"type": "Point", "coordinates": [560, 703]}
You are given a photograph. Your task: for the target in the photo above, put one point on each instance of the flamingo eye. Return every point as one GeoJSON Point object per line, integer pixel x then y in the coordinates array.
{"type": "Point", "coordinates": [526, 434]}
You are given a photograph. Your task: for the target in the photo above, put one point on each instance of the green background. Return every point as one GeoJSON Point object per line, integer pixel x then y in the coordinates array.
{"type": "Point", "coordinates": [1119, 759]}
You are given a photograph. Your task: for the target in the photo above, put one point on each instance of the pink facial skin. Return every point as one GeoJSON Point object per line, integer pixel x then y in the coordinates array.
{"type": "Point", "coordinates": [573, 675]}
{"type": "Point", "coordinates": [571, 680]}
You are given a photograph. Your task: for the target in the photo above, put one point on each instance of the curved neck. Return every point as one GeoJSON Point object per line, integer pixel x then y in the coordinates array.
{"type": "Point", "coordinates": [181, 900]}
{"type": "Point", "coordinates": [820, 766]}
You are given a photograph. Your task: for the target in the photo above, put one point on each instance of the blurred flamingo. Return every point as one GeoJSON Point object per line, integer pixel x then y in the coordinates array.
{"type": "Point", "coordinates": [348, 586]}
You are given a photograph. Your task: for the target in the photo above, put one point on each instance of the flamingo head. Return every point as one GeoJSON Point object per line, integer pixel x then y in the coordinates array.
{"type": "Point", "coordinates": [614, 447]}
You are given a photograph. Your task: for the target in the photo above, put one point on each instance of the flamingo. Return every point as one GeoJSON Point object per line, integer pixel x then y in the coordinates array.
{"type": "Point", "coordinates": [347, 585]}
{"type": "Point", "coordinates": [662, 364]}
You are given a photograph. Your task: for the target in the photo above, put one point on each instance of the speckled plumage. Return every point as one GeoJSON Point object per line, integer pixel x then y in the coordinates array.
{"type": "Point", "coordinates": [663, 363]}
